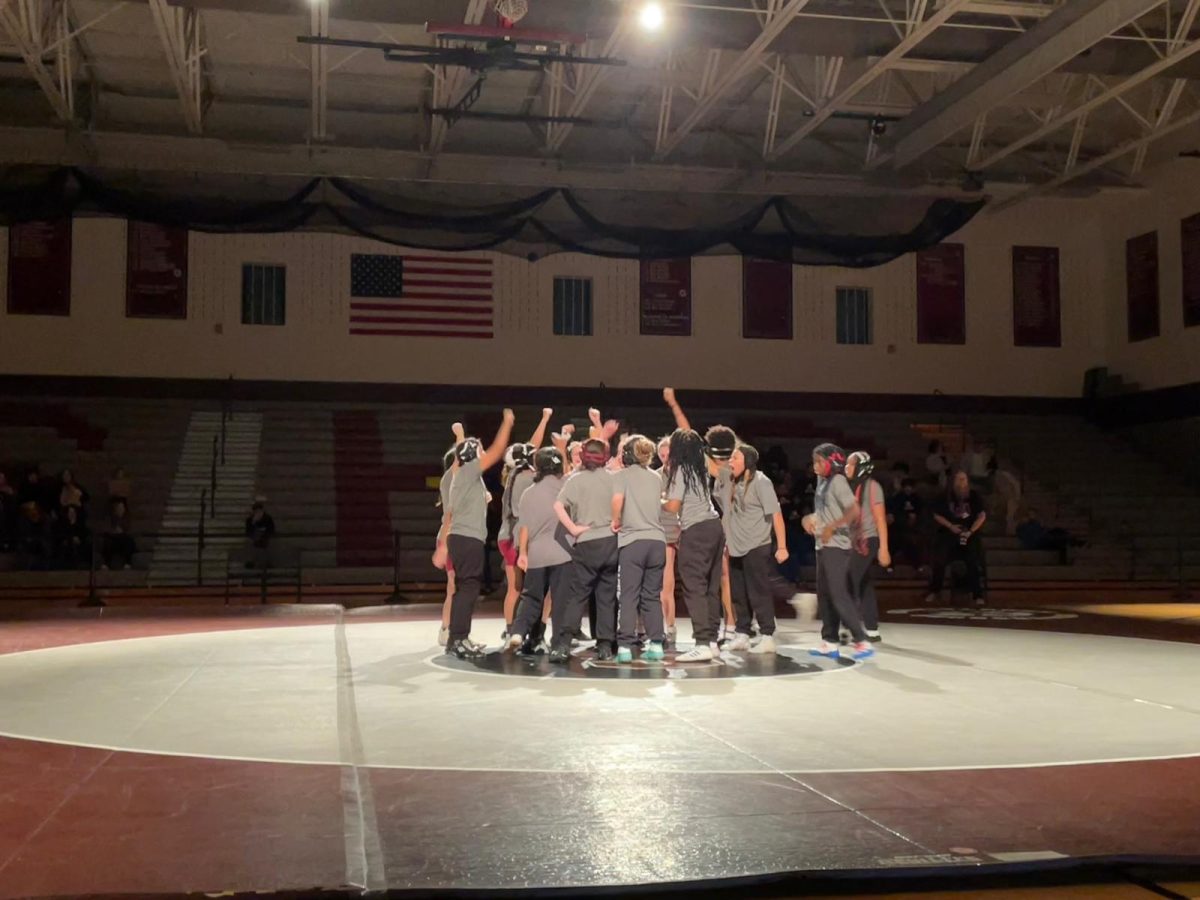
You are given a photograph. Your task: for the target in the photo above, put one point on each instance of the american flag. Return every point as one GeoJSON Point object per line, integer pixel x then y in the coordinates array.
{"type": "Point", "coordinates": [421, 296]}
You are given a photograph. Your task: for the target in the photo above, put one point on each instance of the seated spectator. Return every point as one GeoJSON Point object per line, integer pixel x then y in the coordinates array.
{"type": "Point", "coordinates": [33, 521]}
{"type": "Point", "coordinates": [936, 464]}
{"type": "Point", "coordinates": [975, 461]}
{"type": "Point", "coordinates": [120, 487]}
{"type": "Point", "coordinates": [905, 540]}
{"type": "Point", "coordinates": [1033, 535]}
{"type": "Point", "coordinates": [70, 492]}
{"type": "Point", "coordinates": [72, 539]}
{"type": "Point", "coordinates": [118, 547]}
{"type": "Point", "coordinates": [959, 516]}
{"type": "Point", "coordinates": [260, 528]}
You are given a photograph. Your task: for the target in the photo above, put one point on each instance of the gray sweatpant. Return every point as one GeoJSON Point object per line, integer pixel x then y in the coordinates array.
{"type": "Point", "coordinates": [639, 590]}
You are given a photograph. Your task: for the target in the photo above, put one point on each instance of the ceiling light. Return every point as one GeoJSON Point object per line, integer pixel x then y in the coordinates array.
{"type": "Point", "coordinates": [651, 16]}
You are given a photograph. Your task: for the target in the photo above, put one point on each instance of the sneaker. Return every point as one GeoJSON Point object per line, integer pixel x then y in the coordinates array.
{"type": "Point", "coordinates": [696, 654]}
{"type": "Point", "coordinates": [653, 652]}
{"type": "Point", "coordinates": [604, 651]}
{"type": "Point", "coordinates": [766, 644]}
{"type": "Point", "coordinates": [464, 649]}
{"type": "Point", "coordinates": [863, 650]}
{"type": "Point", "coordinates": [740, 642]}
{"type": "Point", "coordinates": [513, 642]}
{"type": "Point", "coordinates": [715, 648]}
{"type": "Point", "coordinates": [443, 636]}
{"type": "Point", "coordinates": [873, 637]}
{"type": "Point", "coordinates": [560, 655]}
{"type": "Point", "coordinates": [805, 606]}
{"type": "Point", "coordinates": [542, 647]}
{"type": "Point", "coordinates": [481, 648]}
{"type": "Point", "coordinates": [825, 649]}
{"type": "Point", "coordinates": [624, 655]}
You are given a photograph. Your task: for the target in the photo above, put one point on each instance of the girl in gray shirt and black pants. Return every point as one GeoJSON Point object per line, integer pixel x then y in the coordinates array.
{"type": "Point", "coordinates": [636, 518]}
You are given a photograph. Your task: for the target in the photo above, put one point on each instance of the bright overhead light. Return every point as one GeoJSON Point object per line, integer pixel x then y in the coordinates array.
{"type": "Point", "coordinates": [651, 16]}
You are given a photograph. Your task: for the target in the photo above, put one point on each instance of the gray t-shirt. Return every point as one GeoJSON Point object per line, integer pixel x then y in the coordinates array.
{"type": "Point", "coordinates": [468, 502]}
{"type": "Point", "coordinates": [722, 482]}
{"type": "Point", "coordinates": [514, 488]}
{"type": "Point", "coordinates": [548, 540]}
{"type": "Point", "coordinates": [830, 502]}
{"type": "Point", "coordinates": [871, 494]}
{"type": "Point", "coordinates": [641, 514]}
{"type": "Point", "coordinates": [587, 495]}
{"type": "Point", "coordinates": [751, 511]}
{"type": "Point", "coordinates": [697, 502]}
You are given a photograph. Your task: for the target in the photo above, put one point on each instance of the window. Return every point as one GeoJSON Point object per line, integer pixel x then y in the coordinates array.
{"type": "Point", "coordinates": [264, 293]}
{"type": "Point", "coordinates": [854, 315]}
{"type": "Point", "coordinates": [573, 306]}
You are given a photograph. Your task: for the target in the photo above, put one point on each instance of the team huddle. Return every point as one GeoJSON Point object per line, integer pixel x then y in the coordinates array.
{"type": "Point", "coordinates": [601, 526]}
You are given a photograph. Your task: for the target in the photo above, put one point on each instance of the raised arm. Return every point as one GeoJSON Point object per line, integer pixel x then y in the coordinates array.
{"type": "Point", "coordinates": [560, 440]}
{"type": "Point", "coordinates": [681, 421]}
{"type": "Point", "coordinates": [495, 452]}
{"type": "Point", "coordinates": [459, 432]}
{"type": "Point", "coordinates": [539, 433]}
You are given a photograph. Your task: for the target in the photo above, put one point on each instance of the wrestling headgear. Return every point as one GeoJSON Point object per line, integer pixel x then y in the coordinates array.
{"type": "Point", "coordinates": [518, 454]}
{"type": "Point", "coordinates": [863, 466]}
{"type": "Point", "coordinates": [628, 457]}
{"type": "Point", "coordinates": [467, 451]}
{"type": "Point", "coordinates": [832, 457]}
{"type": "Point", "coordinates": [547, 461]}
{"type": "Point", "coordinates": [720, 442]}
{"type": "Point", "coordinates": [594, 454]}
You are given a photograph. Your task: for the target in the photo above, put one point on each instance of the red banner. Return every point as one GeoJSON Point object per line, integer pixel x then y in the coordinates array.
{"type": "Point", "coordinates": [1141, 286]}
{"type": "Point", "coordinates": [156, 271]}
{"type": "Point", "coordinates": [39, 268]}
{"type": "Point", "coordinates": [942, 295]}
{"type": "Point", "coordinates": [766, 298]}
{"type": "Point", "coordinates": [1189, 234]}
{"type": "Point", "coordinates": [666, 296]}
{"type": "Point", "coordinates": [1036, 308]}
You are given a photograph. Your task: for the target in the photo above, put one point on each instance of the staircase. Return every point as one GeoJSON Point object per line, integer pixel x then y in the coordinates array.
{"type": "Point", "coordinates": [174, 561]}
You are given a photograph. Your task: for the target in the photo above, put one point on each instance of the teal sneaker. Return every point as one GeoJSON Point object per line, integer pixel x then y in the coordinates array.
{"type": "Point", "coordinates": [624, 655]}
{"type": "Point", "coordinates": [653, 652]}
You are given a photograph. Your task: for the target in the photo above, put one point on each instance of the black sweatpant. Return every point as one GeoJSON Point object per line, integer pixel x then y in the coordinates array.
{"type": "Point", "coordinates": [466, 553]}
{"type": "Point", "coordinates": [639, 588]}
{"type": "Point", "coordinates": [862, 583]}
{"type": "Point", "coordinates": [949, 550]}
{"type": "Point", "coordinates": [593, 570]}
{"type": "Point", "coordinates": [527, 619]}
{"type": "Point", "coordinates": [699, 559]}
{"type": "Point", "coordinates": [835, 602]}
{"type": "Point", "coordinates": [753, 590]}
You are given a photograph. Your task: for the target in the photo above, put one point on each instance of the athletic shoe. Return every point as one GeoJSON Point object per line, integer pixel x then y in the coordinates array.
{"type": "Point", "coordinates": [443, 636]}
{"type": "Point", "coordinates": [560, 655]}
{"type": "Point", "coordinates": [653, 652]}
{"type": "Point", "coordinates": [766, 644]}
{"type": "Point", "coordinates": [699, 653]}
{"type": "Point", "coordinates": [482, 648]}
{"type": "Point", "coordinates": [863, 650]}
{"type": "Point", "coordinates": [740, 642]}
{"type": "Point", "coordinates": [513, 642]}
{"type": "Point", "coordinates": [716, 650]}
{"type": "Point", "coordinates": [604, 651]}
{"type": "Point", "coordinates": [624, 655]}
{"type": "Point", "coordinates": [805, 606]}
{"type": "Point", "coordinates": [464, 649]}
{"type": "Point", "coordinates": [873, 637]}
{"type": "Point", "coordinates": [825, 649]}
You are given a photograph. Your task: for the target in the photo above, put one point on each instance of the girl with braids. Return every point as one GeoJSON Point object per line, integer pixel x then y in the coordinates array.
{"type": "Point", "coordinates": [642, 549]}
{"type": "Point", "coordinates": [835, 509]}
{"type": "Point", "coordinates": [871, 539]}
{"type": "Point", "coordinates": [516, 477]}
{"type": "Point", "coordinates": [701, 541]}
{"type": "Point", "coordinates": [544, 555]}
{"type": "Point", "coordinates": [752, 515]}
{"type": "Point", "coordinates": [584, 508]}
{"type": "Point", "coordinates": [669, 521]}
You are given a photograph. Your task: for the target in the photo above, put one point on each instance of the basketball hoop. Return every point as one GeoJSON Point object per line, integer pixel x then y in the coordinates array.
{"type": "Point", "coordinates": [512, 10]}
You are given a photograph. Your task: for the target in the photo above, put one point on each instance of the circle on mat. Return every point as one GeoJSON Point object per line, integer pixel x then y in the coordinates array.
{"type": "Point", "coordinates": [985, 614]}
{"type": "Point", "coordinates": [584, 664]}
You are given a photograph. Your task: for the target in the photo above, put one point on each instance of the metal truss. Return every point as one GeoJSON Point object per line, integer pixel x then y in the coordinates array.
{"type": "Point", "coordinates": [448, 83]}
{"type": "Point", "coordinates": [181, 33]}
{"type": "Point", "coordinates": [38, 29]}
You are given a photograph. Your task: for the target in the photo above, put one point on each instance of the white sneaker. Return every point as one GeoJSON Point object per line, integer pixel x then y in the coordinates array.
{"type": "Point", "coordinates": [696, 654]}
{"type": "Point", "coordinates": [805, 606]}
{"type": "Point", "coordinates": [766, 644]}
{"type": "Point", "coordinates": [740, 642]}
{"type": "Point", "coordinates": [476, 644]}
{"type": "Point", "coordinates": [715, 649]}
{"type": "Point", "coordinates": [443, 636]}
{"type": "Point", "coordinates": [513, 643]}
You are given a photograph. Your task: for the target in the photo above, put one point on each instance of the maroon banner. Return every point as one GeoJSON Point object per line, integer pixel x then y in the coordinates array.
{"type": "Point", "coordinates": [1141, 286]}
{"type": "Point", "coordinates": [1189, 235]}
{"type": "Point", "coordinates": [766, 298]}
{"type": "Point", "coordinates": [942, 295]}
{"type": "Point", "coordinates": [1036, 311]}
{"type": "Point", "coordinates": [666, 296]}
{"type": "Point", "coordinates": [156, 271]}
{"type": "Point", "coordinates": [39, 268]}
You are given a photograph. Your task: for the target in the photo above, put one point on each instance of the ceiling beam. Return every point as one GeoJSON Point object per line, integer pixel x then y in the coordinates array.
{"type": "Point", "coordinates": [917, 33]}
{"type": "Point", "coordinates": [25, 21]}
{"type": "Point", "coordinates": [746, 61]}
{"type": "Point", "coordinates": [179, 30]}
{"type": "Point", "coordinates": [448, 83]}
{"type": "Point", "coordinates": [318, 26]}
{"type": "Point", "coordinates": [1045, 47]}
{"type": "Point", "coordinates": [589, 79]}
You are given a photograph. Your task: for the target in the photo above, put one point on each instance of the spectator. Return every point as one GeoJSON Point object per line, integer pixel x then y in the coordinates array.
{"type": "Point", "coordinates": [33, 523]}
{"type": "Point", "coordinates": [975, 461]}
{"type": "Point", "coordinates": [900, 472]}
{"type": "Point", "coordinates": [260, 529]}
{"type": "Point", "coordinates": [9, 509]}
{"type": "Point", "coordinates": [1006, 491]}
{"type": "Point", "coordinates": [936, 464]}
{"type": "Point", "coordinates": [1033, 535]}
{"type": "Point", "coordinates": [959, 518]}
{"type": "Point", "coordinates": [120, 487]}
{"type": "Point", "coordinates": [904, 525]}
{"type": "Point", "coordinates": [71, 493]}
{"type": "Point", "coordinates": [72, 539]}
{"type": "Point", "coordinates": [118, 547]}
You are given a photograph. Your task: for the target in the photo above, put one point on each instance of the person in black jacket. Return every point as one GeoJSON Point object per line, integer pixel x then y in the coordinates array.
{"type": "Point", "coordinates": [260, 529]}
{"type": "Point", "coordinates": [959, 518]}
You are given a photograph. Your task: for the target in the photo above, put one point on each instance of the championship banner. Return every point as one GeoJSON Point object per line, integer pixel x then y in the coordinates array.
{"type": "Point", "coordinates": [766, 298]}
{"type": "Point", "coordinates": [39, 268]}
{"type": "Point", "coordinates": [666, 297]}
{"type": "Point", "coordinates": [1141, 286]}
{"type": "Point", "coordinates": [942, 295]}
{"type": "Point", "coordinates": [156, 271]}
{"type": "Point", "coordinates": [1036, 308]}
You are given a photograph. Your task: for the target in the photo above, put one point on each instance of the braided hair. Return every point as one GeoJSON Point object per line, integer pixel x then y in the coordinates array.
{"type": "Point", "coordinates": [687, 460]}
